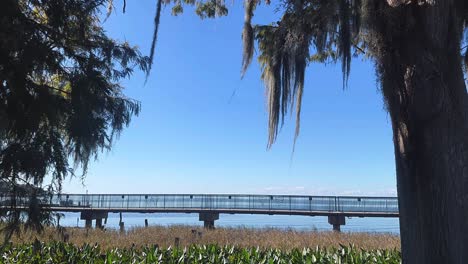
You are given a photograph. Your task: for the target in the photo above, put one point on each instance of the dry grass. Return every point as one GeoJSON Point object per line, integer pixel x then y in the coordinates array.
{"type": "Point", "coordinates": [245, 237]}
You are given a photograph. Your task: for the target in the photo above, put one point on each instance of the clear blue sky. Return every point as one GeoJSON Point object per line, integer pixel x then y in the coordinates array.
{"type": "Point", "coordinates": [193, 136]}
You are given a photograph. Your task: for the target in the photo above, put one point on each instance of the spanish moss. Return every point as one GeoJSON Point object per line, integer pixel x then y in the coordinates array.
{"type": "Point", "coordinates": [157, 17]}
{"type": "Point", "coordinates": [110, 8]}
{"type": "Point", "coordinates": [284, 57]}
{"type": "Point", "coordinates": [248, 36]}
{"type": "Point", "coordinates": [344, 39]}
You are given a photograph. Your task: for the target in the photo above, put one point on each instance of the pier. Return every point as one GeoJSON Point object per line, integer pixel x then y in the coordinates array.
{"type": "Point", "coordinates": [209, 206]}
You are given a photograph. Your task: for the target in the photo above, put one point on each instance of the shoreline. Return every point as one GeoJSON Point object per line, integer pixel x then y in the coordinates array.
{"type": "Point", "coordinates": [317, 223]}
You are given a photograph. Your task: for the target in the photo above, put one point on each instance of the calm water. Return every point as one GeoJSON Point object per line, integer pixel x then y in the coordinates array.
{"type": "Point", "coordinates": [354, 224]}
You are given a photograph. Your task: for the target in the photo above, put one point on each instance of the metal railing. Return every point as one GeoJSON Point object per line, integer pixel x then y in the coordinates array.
{"type": "Point", "coordinates": [224, 202]}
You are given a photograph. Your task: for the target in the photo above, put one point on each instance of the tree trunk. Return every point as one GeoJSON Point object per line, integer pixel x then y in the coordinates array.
{"type": "Point", "coordinates": [432, 178]}
{"type": "Point", "coordinates": [422, 81]}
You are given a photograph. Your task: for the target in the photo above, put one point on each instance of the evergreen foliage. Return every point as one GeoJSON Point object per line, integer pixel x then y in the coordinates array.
{"type": "Point", "coordinates": [60, 97]}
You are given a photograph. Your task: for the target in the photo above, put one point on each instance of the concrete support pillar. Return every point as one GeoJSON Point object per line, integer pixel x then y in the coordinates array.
{"type": "Point", "coordinates": [90, 215]}
{"type": "Point", "coordinates": [99, 223]}
{"type": "Point", "coordinates": [208, 224]}
{"type": "Point", "coordinates": [89, 223]}
{"type": "Point", "coordinates": [336, 221]}
{"type": "Point", "coordinates": [208, 219]}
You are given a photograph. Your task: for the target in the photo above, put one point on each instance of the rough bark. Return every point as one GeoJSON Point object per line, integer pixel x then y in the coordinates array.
{"type": "Point", "coordinates": [420, 69]}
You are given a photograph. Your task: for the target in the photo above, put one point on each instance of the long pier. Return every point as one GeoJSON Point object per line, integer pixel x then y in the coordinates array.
{"type": "Point", "coordinates": [209, 206]}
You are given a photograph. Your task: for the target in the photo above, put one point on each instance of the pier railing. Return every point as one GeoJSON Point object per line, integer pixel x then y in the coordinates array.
{"type": "Point", "coordinates": [219, 202]}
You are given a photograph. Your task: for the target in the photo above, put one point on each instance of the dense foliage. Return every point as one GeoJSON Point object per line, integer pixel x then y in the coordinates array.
{"type": "Point", "coordinates": [67, 253]}
{"type": "Point", "coordinates": [60, 94]}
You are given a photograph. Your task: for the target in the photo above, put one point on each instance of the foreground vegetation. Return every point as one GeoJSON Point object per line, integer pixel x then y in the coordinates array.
{"type": "Point", "coordinates": [59, 252]}
{"type": "Point", "coordinates": [185, 236]}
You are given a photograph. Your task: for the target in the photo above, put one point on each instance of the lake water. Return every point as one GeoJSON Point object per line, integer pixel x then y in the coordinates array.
{"type": "Point", "coordinates": [354, 224]}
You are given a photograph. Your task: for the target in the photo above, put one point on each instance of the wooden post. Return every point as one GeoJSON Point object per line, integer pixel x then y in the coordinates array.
{"type": "Point", "coordinates": [88, 223]}
{"type": "Point", "coordinates": [121, 224]}
{"type": "Point", "coordinates": [99, 223]}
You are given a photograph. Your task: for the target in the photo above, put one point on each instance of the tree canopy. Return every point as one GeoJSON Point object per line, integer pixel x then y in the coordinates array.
{"type": "Point", "coordinates": [60, 97]}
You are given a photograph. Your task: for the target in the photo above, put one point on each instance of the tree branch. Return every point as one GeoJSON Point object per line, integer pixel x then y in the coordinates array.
{"type": "Point", "coordinates": [358, 48]}
{"type": "Point", "coordinates": [58, 89]}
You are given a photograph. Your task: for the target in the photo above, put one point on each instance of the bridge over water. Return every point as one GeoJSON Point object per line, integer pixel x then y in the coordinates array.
{"type": "Point", "coordinates": [209, 206]}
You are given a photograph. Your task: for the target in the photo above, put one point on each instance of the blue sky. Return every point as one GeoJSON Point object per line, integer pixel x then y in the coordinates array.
{"type": "Point", "coordinates": [194, 136]}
